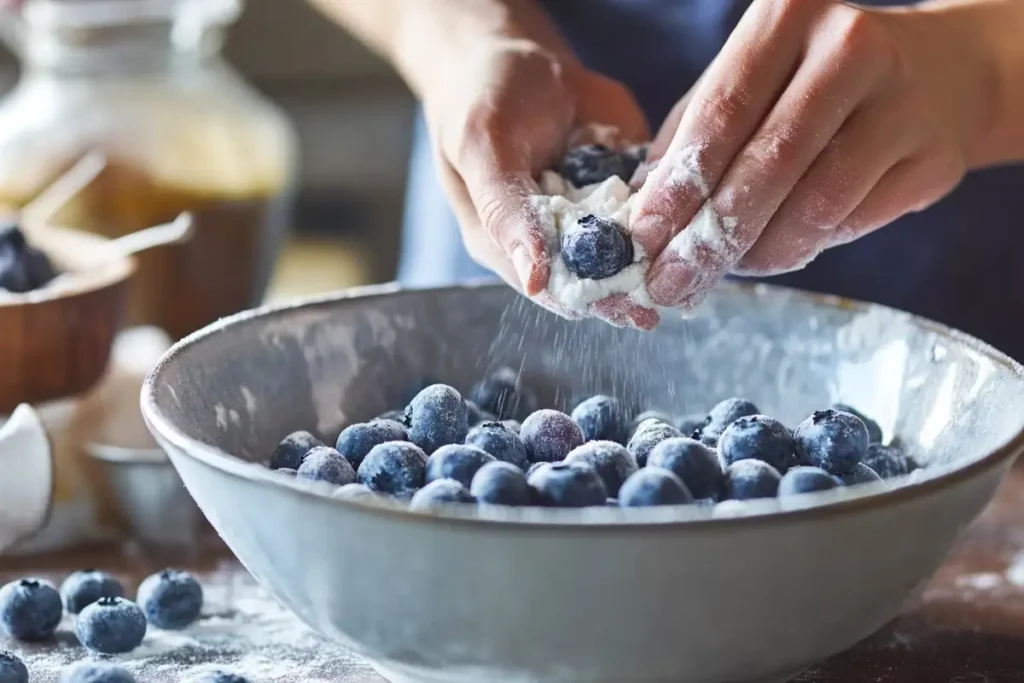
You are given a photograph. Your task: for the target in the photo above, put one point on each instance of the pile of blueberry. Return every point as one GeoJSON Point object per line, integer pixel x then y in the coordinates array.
{"type": "Point", "coordinates": [22, 267]}
{"type": "Point", "coordinates": [106, 622]}
{"type": "Point", "coordinates": [443, 448]}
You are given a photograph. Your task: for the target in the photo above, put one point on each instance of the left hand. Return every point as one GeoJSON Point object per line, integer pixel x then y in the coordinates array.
{"type": "Point", "coordinates": [818, 123]}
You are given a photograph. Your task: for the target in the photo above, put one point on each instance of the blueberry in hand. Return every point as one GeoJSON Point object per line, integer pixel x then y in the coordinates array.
{"type": "Point", "coordinates": [805, 479]}
{"type": "Point", "coordinates": [437, 417]}
{"type": "Point", "coordinates": [30, 609]}
{"type": "Point", "coordinates": [648, 435]}
{"type": "Point", "coordinates": [757, 437]}
{"type": "Point", "coordinates": [217, 676]}
{"type": "Point", "coordinates": [860, 474]}
{"type": "Point", "coordinates": [695, 463]}
{"type": "Point", "coordinates": [440, 491]}
{"type": "Point", "coordinates": [500, 441]}
{"type": "Point", "coordinates": [171, 599]}
{"type": "Point", "coordinates": [612, 462]}
{"type": "Point", "coordinates": [722, 415]}
{"type": "Point", "coordinates": [12, 669]}
{"type": "Point", "coordinates": [832, 440]}
{"type": "Point", "coordinates": [749, 479]}
{"type": "Point", "coordinates": [456, 461]}
{"type": "Point", "coordinates": [86, 587]}
{"type": "Point", "coordinates": [595, 248]}
{"type": "Point", "coordinates": [97, 672]}
{"type": "Point", "coordinates": [560, 484]}
{"type": "Point", "coordinates": [355, 441]}
{"type": "Point", "coordinates": [653, 486]}
{"type": "Point", "coordinates": [292, 449]}
{"type": "Point", "coordinates": [592, 164]}
{"type": "Point", "coordinates": [111, 626]}
{"type": "Point", "coordinates": [500, 483]}
{"type": "Point", "coordinates": [397, 467]}
{"type": "Point", "coordinates": [501, 394]}
{"type": "Point", "coordinates": [325, 464]}
{"type": "Point", "coordinates": [874, 430]}
{"type": "Point", "coordinates": [888, 461]}
{"type": "Point", "coordinates": [602, 418]}
{"type": "Point", "coordinates": [549, 435]}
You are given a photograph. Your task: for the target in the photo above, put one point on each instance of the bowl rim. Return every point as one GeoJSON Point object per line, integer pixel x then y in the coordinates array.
{"type": "Point", "coordinates": [843, 501]}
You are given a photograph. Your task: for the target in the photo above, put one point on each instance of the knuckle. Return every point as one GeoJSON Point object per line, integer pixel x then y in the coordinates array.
{"type": "Point", "coordinates": [721, 107]}
{"type": "Point", "coordinates": [777, 148]}
{"type": "Point", "coordinates": [861, 38]}
{"type": "Point", "coordinates": [492, 213]}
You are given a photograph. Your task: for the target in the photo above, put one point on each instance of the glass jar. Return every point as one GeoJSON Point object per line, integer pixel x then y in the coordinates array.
{"type": "Point", "coordinates": [142, 83]}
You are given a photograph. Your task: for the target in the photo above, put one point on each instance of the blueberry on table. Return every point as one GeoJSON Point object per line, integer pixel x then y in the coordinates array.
{"type": "Point", "coordinates": [456, 461]}
{"type": "Point", "coordinates": [612, 461]}
{"type": "Point", "coordinates": [30, 609]}
{"type": "Point", "coordinates": [501, 394]}
{"type": "Point", "coordinates": [874, 430]}
{"type": "Point", "coordinates": [394, 416]}
{"type": "Point", "coordinates": [648, 435]}
{"type": "Point", "coordinates": [757, 437]}
{"type": "Point", "coordinates": [648, 415]}
{"type": "Point", "coordinates": [217, 676]}
{"type": "Point", "coordinates": [722, 415]}
{"type": "Point", "coordinates": [806, 479]}
{"type": "Point", "coordinates": [549, 435]}
{"type": "Point", "coordinates": [602, 418]}
{"type": "Point", "coordinates": [171, 599]}
{"type": "Point", "coordinates": [354, 492]}
{"type": "Point", "coordinates": [292, 449]}
{"type": "Point", "coordinates": [653, 486]}
{"type": "Point", "coordinates": [595, 248]}
{"type": "Point", "coordinates": [12, 669]}
{"type": "Point", "coordinates": [832, 440]}
{"type": "Point", "coordinates": [325, 464]}
{"type": "Point", "coordinates": [688, 425]}
{"type": "Point", "coordinates": [440, 491]}
{"type": "Point", "coordinates": [500, 483]}
{"type": "Point", "coordinates": [111, 626]}
{"type": "Point", "coordinates": [514, 425]}
{"type": "Point", "coordinates": [501, 441]}
{"type": "Point", "coordinates": [475, 414]}
{"type": "Point", "coordinates": [694, 462]}
{"type": "Point", "coordinates": [85, 587]}
{"type": "Point", "coordinates": [888, 461]}
{"type": "Point", "coordinates": [397, 468]}
{"type": "Point", "coordinates": [592, 164]}
{"type": "Point", "coordinates": [560, 484]}
{"type": "Point", "coordinates": [860, 474]}
{"type": "Point", "coordinates": [750, 479]}
{"type": "Point", "coordinates": [355, 441]}
{"type": "Point", "coordinates": [437, 417]}
{"type": "Point", "coordinates": [97, 672]}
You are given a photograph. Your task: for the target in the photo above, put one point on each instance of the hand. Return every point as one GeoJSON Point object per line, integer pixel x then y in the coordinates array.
{"type": "Point", "coordinates": [818, 123]}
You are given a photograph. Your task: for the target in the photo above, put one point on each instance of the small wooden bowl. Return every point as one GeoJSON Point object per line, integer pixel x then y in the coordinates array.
{"type": "Point", "coordinates": [55, 342]}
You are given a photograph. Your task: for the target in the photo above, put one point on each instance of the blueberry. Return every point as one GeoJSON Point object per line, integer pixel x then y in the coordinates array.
{"type": "Point", "coordinates": [888, 461]}
{"type": "Point", "coordinates": [475, 414]}
{"type": "Point", "coordinates": [457, 461]}
{"type": "Point", "coordinates": [97, 672]}
{"type": "Point", "coordinates": [394, 416]}
{"type": "Point", "coordinates": [748, 479]}
{"type": "Point", "coordinates": [30, 609]}
{"type": "Point", "coordinates": [722, 415]}
{"type": "Point", "coordinates": [292, 450]}
{"type": "Point", "coordinates": [111, 626]}
{"type": "Point", "coordinates": [550, 435]}
{"type": "Point", "coordinates": [874, 430]}
{"type": "Point", "coordinates": [688, 425]}
{"type": "Point", "coordinates": [22, 268]}
{"type": "Point", "coordinates": [591, 164]}
{"type": "Point", "coordinates": [501, 442]}
{"type": "Point", "coordinates": [354, 492]}
{"type": "Point", "coordinates": [602, 418]}
{"type": "Point", "coordinates": [500, 483]}
{"type": "Point", "coordinates": [416, 387]}
{"type": "Point", "coordinates": [12, 669]}
{"type": "Point", "coordinates": [502, 395]}
{"type": "Point", "coordinates": [612, 462]}
{"type": "Point", "coordinates": [217, 676]}
{"type": "Point", "coordinates": [648, 435]}
{"type": "Point", "coordinates": [695, 463]}
{"type": "Point", "coordinates": [440, 491]}
{"type": "Point", "coordinates": [653, 486]}
{"type": "Point", "coordinates": [533, 468]}
{"type": "Point", "coordinates": [559, 484]}
{"type": "Point", "coordinates": [757, 437]}
{"type": "Point", "coordinates": [396, 467]}
{"type": "Point", "coordinates": [806, 479]}
{"type": "Point", "coordinates": [325, 464]}
{"type": "Point", "coordinates": [515, 425]}
{"type": "Point", "coordinates": [648, 415]}
{"type": "Point", "coordinates": [437, 417]}
{"type": "Point", "coordinates": [355, 441]}
{"type": "Point", "coordinates": [832, 440]}
{"type": "Point", "coordinates": [86, 587]}
{"type": "Point", "coordinates": [595, 248]}
{"type": "Point", "coordinates": [171, 599]}
{"type": "Point", "coordinates": [860, 474]}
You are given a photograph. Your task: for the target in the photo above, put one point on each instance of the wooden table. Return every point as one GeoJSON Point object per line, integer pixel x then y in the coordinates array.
{"type": "Point", "coordinates": [968, 627]}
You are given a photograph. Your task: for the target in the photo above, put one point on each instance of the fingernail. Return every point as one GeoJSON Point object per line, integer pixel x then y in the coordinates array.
{"type": "Point", "coordinates": [666, 282]}
{"type": "Point", "coordinates": [523, 264]}
{"type": "Point", "coordinates": [645, 231]}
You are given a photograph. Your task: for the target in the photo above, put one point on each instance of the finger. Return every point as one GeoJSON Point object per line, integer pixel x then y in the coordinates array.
{"type": "Point", "coordinates": [620, 310]}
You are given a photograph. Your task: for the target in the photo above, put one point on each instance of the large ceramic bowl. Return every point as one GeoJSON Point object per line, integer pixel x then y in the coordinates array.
{"type": "Point", "coordinates": [602, 596]}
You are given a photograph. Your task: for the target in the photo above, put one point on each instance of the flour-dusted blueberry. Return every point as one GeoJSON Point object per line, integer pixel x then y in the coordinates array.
{"type": "Point", "coordinates": [658, 415]}
{"type": "Point", "coordinates": [440, 491]}
{"type": "Point", "coordinates": [860, 474]}
{"type": "Point", "coordinates": [12, 669]}
{"type": "Point", "coordinates": [437, 417]}
{"type": "Point", "coordinates": [603, 418]}
{"type": "Point", "coordinates": [592, 164]}
{"type": "Point", "coordinates": [500, 441]}
{"type": "Point", "coordinates": [396, 467]}
{"type": "Point", "coordinates": [394, 416]}
{"type": "Point", "coordinates": [595, 248]}
{"type": "Point", "coordinates": [648, 435]}
{"type": "Point", "coordinates": [832, 440]}
{"type": "Point", "coordinates": [500, 483]}
{"type": "Point", "coordinates": [888, 461]}
{"type": "Point", "coordinates": [502, 394]}
{"type": "Point", "coordinates": [612, 461]}
{"type": "Point", "coordinates": [722, 415]}
{"type": "Point", "coordinates": [560, 484]}
{"type": "Point", "coordinates": [355, 441]}
{"type": "Point", "coordinates": [694, 462]}
{"type": "Point", "coordinates": [750, 479]}
{"type": "Point", "coordinates": [515, 425]}
{"type": "Point", "coordinates": [111, 626]}
{"type": "Point", "coordinates": [171, 599]}
{"type": "Point", "coordinates": [806, 479]}
{"type": "Point", "coordinates": [688, 425]}
{"type": "Point", "coordinates": [476, 415]}
{"type": "Point", "coordinates": [757, 437]}
{"type": "Point", "coordinates": [874, 430]}
{"type": "Point", "coordinates": [456, 461]}
{"type": "Point", "coordinates": [292, 449]}
{"type": "Point", "coordinates": [533, 468]}
{"type": "Point", "coordinates": [354, 491]}
{"type": "Point", "coordinates": [97, 672]}
{"type": "Point", "coordinates": [325, 464]}
{"type": "Point", "coordinates": [653, 486]}
{"type": "Point", "coordinates": [85, 587]}
{"type": "Point", "coordinates": [217, 676]}
{"type": "Point", "coordinates": [549, 435]}
{"type": "Point", "coordinates": [30, 609]}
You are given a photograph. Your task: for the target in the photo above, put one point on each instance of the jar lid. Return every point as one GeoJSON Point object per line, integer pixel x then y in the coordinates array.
{"type": "Point", "coordinates": [96, 13]}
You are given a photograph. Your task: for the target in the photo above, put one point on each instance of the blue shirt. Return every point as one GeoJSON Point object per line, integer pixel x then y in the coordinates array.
{"type": "Point", "coordinates": [960, 262]}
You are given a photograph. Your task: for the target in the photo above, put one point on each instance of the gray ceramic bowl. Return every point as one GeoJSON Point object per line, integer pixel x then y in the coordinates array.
{"type": "Point", "coordinates": [680, 596]}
